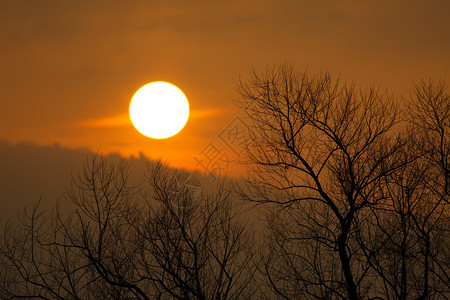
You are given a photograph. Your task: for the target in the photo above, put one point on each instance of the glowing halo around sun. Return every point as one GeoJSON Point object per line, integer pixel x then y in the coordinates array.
{"type": "Point", "coordinates": [159, 110]}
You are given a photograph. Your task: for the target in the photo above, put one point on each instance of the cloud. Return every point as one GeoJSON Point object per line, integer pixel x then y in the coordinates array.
{"type": "Point", "coordinates": [124, 120]}
{"type": "Point", "coordinates": [31, 172]}
{"type": "Point", "coordinates": [206, 113]}
{"type": "Point", "coordinates": [108, 122]}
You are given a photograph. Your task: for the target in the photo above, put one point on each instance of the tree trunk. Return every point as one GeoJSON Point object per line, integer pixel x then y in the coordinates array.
{"type": "Point", "coordinates": [346, 268]}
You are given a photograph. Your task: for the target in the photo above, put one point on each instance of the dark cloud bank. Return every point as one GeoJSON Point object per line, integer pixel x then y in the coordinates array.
{"type": "Point", "coordinates": [29, 172]}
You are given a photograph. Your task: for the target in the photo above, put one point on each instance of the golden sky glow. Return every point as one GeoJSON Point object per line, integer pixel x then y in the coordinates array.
{"type": "Point", "coordinates": [70, 68]}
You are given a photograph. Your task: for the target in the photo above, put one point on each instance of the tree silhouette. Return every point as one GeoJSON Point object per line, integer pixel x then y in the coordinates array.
{"type": "Point", "coordinates": [429, 115]}
{"type": "Point", "coordinates": [408, 247]}
{"type": "Point", "coordinates": [126, 242]}
{"type": "Point", "coordinates": [322, 152]}
{"type": "Point", "coordinates": [353, 185]}
{"type": "Point", "coordinates": [408, 235]}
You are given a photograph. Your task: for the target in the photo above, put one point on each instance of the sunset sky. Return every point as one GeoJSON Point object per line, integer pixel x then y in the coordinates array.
{"type": "Point", "coordinates": [70, 68]}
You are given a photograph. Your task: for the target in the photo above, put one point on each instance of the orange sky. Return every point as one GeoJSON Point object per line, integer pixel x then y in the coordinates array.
{"type": "Point", "coordinates": [70, 68]}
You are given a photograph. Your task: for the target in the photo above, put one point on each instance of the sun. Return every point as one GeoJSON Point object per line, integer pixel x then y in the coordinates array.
{"type": "Point", "coordinates": [159, 110]}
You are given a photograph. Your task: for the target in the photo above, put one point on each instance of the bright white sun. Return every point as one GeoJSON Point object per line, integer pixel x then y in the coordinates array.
{"type": "Point", "coordinates": [159, 110]}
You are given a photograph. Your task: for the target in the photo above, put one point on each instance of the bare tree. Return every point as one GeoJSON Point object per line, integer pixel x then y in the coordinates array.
{"type": "Point", "coordinates": [356, 207]}
{"type": "Point", "coordinates": [407, 242]}
{"type": "Point", "coordinates": [429, 115]}
{"type": "Point", "coordinates": [324, 147]}
{"type": "Point", "coordinates": [301, 262]}
{"type": "Point", "coordinates": [408, 245]}
{"type": "Point", "coordinates": [168, 240]}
